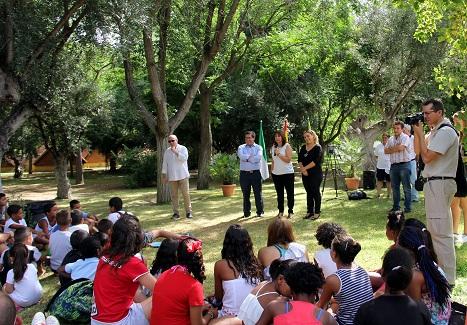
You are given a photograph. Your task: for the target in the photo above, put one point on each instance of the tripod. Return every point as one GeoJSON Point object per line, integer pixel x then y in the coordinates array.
{"type": "Point", "coordinates": [331, 164]}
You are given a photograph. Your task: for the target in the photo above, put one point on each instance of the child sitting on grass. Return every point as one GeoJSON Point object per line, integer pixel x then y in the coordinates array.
{"type": "Point", "coordinates": [60, 240]}
{"type": "Point", "coordinates": [16, 220]}
{"type": "Point", "coordinates": [22, 284]}
{"type": "Point", "coordinates": [325, 234]}
{"type": "Point", "coordinates": [72, 256]}
{"type": "Point", "coordinates": [77, 221]}
{"type": "Point", "coordinates": [350, 285]}
{"type": "Point", "coordinates": [45, 226]}
{"type": "Point", "coordinates": [86, 267]}
{"type": "Point", "coordinates": [394, 226]}
{"type": "Point", "coordinates": [166, 257]}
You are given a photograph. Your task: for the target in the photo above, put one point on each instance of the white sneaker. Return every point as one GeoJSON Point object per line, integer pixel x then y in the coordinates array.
{"type": "Point", "coordinates": [457, 239]}
{"type": "Point", "coordinates": [52, 320]}
{"type": "Point", "coordinates": [38, 319]}
{"type": "Point", "coordinates": [464, 238]}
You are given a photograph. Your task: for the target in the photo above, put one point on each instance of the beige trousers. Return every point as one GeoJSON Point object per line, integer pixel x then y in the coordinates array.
{"type": "Point", "coordinates": [184, 186]}
{"type": "Point", "coordinates": [438, 197]}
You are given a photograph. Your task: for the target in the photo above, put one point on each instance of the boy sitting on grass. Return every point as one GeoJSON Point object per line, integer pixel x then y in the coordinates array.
{"type": "Point", "coordinates": [59, 244]}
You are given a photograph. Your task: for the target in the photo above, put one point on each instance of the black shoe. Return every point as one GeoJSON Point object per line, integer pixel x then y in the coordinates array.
{"type": "Point", "coordinates": [175, 216]}
{"type": "Point", "coordinates": [308, 216]}
{"type": "Point", "coordinates": [315, 216]}
{"type": "Point", "coordinates": [189, 215]}
{"type": "Point", "coordinates": [259, 215]}
{"type": "Point", "coordinates": [246, 215]}
{"type": "Point", "coordinates": [407, 211]}
{"type": "Point", "coordinates": [290, 215]}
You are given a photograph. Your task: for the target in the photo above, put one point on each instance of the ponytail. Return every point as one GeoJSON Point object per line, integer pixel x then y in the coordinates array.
{"type": "Point", "coordinates": [20, 254]}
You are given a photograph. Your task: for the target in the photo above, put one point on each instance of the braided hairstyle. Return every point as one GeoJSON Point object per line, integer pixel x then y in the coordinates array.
{"type": "Point", "coordinates": [303, 277]}
{"type": "Point", "coordinates": [412, 222]}
{"type": "Point", "coordinates": [237, 250]}
{"type": "Point", "coordinates": [412, 239]}
{"type": "Point", "coordinates": [191, 259]}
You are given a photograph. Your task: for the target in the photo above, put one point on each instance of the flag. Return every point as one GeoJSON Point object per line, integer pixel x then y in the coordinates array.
{"type": "Point", "coordinates": [285, 129]}
{"type": "Point", "coordinates": [263, 168]}
{"type": "Point", "coordinates": [309, 126]}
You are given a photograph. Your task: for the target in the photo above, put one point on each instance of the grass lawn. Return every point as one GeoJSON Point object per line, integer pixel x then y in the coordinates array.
{"type": "Point", "coordinates": [364, 220]}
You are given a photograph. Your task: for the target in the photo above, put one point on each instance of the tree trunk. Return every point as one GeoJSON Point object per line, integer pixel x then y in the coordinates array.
{"type": "Point", "coordinates": [30, 164]}
{"type": "Point", "coordinates": [63, 183]}
{"type": "Point", "coordinates": [79, 179]}
{"type": "Point", "coordinates": [205, 150]}
{"type": "Point", "coordinates": [113, 164]}
{"type": "Point", "coordinates": [163, 193]}
{"type": "Point", "coordinates": [71, 162]}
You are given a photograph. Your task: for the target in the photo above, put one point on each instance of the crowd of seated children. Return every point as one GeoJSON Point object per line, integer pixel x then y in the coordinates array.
{"type": "Point", "coordinates": [304, 281]}
{"type": "Point", "coordinates": [281, 245]}
{"type": "Point", "coordinates": [72, 256]}
{"type": "Point", "coordinates": [22, 283]}
{"type": "Point", "coordinates": [59, 243]}
{"type": "Point", "coordinates": [77, 221]}
{"type": "Point", "coordinates": [394, 306]}
{"type": "Point", "coordinates": [265, 292]}
{"type": "Point", "coordinates": [89, 219]}
{"type": "Point", "coordinates": [85, 268]}
{"type": "Point", "coordinates": [237, 273]}
{"type": "Point", "coordinates": [350, 285]}
{"type": "Point", "coordinates": [325, 233]}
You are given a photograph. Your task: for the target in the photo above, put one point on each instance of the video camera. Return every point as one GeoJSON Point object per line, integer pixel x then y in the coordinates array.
{"type": "Point", "coordinates": [414, 119]}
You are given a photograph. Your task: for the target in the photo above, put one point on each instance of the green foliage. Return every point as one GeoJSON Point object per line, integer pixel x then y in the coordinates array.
{"type": "Point", "coordinates": [225, 168]}
{"type": "Point", "coordinates": [140, 165]}
{"type": "Point", "coordinates": [350, 154]}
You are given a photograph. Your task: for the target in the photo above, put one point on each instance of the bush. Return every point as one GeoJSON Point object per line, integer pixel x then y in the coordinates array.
{"type": "Point", "coordinates": [225, 168]}
{"type": "Point", "coordinates": [140, 165]}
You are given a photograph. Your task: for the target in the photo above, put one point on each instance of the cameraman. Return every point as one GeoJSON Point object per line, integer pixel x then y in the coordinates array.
{"type": "Point", "coordinates": [439, 151]}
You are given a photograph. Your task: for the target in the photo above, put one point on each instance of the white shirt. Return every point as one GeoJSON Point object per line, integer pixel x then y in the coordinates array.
{"type": "Point", "coordinates": [114, 216]}
{"type": "Point", "coordinates": [10, 222]}
{"type": "Point", "coordinates": [235, 291]}
{"type": "Point", "coordinates": [281, 167]}
{"type": "Point", "coordinates": [325, 262]}
{"type": "Point", "coordinates": [28, 291]}
{"type": "Point", "coordinates": [400, 156]}
{"type": "Point", "coordinates": [383, 161]}
{"type": "Point", "coordinates": [81, 226]}
{"type": "Point", "coordinates": [83, 268]}
{"type": "Point", "coordinates": [176, 166]}
{"type": "Point", "coordinates": [37, 255]}
{"type": "Point", "coordinates": [59, 246]}
{"type": "Point", "coordinates": [411, 147]}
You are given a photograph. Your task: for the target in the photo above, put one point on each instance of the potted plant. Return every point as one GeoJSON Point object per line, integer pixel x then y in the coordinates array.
{"type": "Point", "coordinates": [225, 168]}
{"type": "Point", "coordinates": [352, 155]}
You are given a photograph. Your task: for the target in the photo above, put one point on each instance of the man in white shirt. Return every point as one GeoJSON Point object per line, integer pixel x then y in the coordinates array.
{"type": "Point", "coordinates": [383, 165]}
{"type": "Point", "coordinates": [175, 172]}
{"type": "Point", "coordinates": [439, 150]}
{"type": "Point", "coordinates": [413, 162]}
{"type": "Point", "coordinates": [397, 149]}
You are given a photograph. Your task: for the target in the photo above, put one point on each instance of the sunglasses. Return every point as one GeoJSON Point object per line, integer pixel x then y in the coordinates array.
{"type": "Point", "coordinates": [170, 141]}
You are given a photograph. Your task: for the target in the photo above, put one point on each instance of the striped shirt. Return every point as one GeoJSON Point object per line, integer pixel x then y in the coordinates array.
{"type": "Point", "coordinates": [355, 290]}
{"type": "Point", "coordinates": [400, 156]}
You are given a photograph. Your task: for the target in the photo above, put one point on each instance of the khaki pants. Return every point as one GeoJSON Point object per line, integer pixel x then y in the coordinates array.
{"type": "Point", "coordinates": [438, 197]}
{"type": "Point", "coordinates": [184, 186]}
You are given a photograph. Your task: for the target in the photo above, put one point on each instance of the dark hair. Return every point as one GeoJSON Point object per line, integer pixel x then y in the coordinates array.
{"type": "Point", "coordinates": [90, 247]}
{"type": "Point", "coordinates": [346, 248]}
{"type": "Point", "coordinates": [395, 221]}
{"type": "Point", "coordinates": [102, 237]}
{"type": "Point", "coordinates": [252, 133]}
{"type": "Point", "coordinates": [326, 233]}
{"type": "Point", "coordinates": [166, 256]}
{"type": "Point", "coordinates": [237, 249]}
{"type": "Point", "coordinates": [436, 102]}
{"type": "Point", "coordinates": [279, 267]}
{"type": "Point", "coordinates": [20, 255]}
{"type": "Point", "coordinates": [76, 217]}
{"type": "Point", "coordinates": [281, 134]}
{"type": "Point", "coordinates": [13, 209]}
{"type": "Point", "coordinates": [63, 217]}
{"type": "Point", "coordinates": [7, 309]}
{"type": "Point", "coordinates": [280, 232]}
{"type": "Point", "coordinates": [303, 277]}
{"type": "Point", "coordinates": [104, 225]}
{"type": "Point", "coordinates": [192, 259]}
{"type": "Point", "coordinates": [397, 269]}
{"type": "Point", "coordinates": [116, 203]}
{"type": "Point", "coordinates": [77, 238]}
{"type": "Point", "coordinates": [412, 239]}
{"type": "Point", "coordinates": [21, 235]}
{"type": "Point", "coordinates": [2, 195]}
{"type": "Point", "coordinates": [73, 203]}
{"type": "Point", "coordinates": [412, 222]}
{"type": "Point", "coordinates": [49, 206]}
{"type": "Point", "coordinates": [127, 239]}
{"type": "Point", "coordinates": [400, 123]}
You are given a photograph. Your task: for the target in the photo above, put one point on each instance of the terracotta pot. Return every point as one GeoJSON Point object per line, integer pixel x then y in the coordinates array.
{"type": "Point", "coordinates": [352, 183]}
{"type": "Point", "coordinates": [228, 190]}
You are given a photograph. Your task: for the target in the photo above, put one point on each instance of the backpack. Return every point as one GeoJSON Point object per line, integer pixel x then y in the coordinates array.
{"type": "Point", "coordinates": [357, 195]}
{"type": "Point", "coordinates": [460, 172]}
{"type": "Point", "coordinates": [72, 303]}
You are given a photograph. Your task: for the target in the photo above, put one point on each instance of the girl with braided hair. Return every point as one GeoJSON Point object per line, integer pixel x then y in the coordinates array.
{"type": "Point", "coordinates": [178, 297]}
{"type": "Point", "coordinates": [429, 283]}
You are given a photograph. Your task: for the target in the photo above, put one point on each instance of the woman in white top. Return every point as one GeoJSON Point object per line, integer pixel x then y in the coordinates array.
{"type": "Point", "coordinates": [282, 173]}
{"type": "Point", "coordinates": [237, 273]}
{"type": "Point", "coordinates": [383, 165]}
{"type": "Point", "coordinates": [281, 245]}
{"type": "Point", "coordinates": [22, 284]}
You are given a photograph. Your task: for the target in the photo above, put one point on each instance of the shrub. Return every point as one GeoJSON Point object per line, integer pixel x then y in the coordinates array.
{"type": "Point", "coordinates": [225, 168]}
{"type": "Point", "coordinates": [140, 166]}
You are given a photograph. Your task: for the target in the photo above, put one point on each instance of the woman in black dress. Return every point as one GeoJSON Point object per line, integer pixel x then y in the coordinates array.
{"type": "Point", "coordinates": [309, 160]}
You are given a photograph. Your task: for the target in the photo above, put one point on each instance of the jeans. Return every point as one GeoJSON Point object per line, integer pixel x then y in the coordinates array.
{"type": "Point", "coordinates": [400, 173]}
{"type": "Point", "coordinates": [312, 183]}
{"type": "Point", "coordinates": [280, 182]}
{"type": "Point", "coordinates": [247, 181]}
{"type": "Point", "coordinates": [413, 178]}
